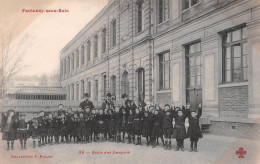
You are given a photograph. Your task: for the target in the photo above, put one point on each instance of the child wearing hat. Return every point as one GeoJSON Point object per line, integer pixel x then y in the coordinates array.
{"type": "Point", "coordinates": [9, 128]}
{"type": "Point", "coordinates": [167, 126]}
{"type": "Point", "coordinates": [179, 131]}
{"type": "Point", "coordinates": [194, 130]}
{"type": "Point", "coordinates": [22, 130]}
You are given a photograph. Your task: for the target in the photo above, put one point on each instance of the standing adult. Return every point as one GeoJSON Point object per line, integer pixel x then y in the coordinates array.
{"type": "Point", "coordinates": [108, 104]}
{"type": "Point", "coordinates": [86, 102]}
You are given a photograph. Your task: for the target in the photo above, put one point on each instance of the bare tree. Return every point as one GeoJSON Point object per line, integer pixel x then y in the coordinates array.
{"type": "Point", "coordinates": [11, 56]}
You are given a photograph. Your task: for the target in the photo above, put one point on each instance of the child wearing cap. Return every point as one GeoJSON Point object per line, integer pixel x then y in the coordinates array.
{"type": "Point", "coordinates": [22, 130]}
{"type": "Point", "coordinates": [194, 130]}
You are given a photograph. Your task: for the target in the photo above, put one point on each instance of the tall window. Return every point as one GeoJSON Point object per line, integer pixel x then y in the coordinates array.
{"type": "Point", "coordinates": [113, 33]}
{"type": "Point", "coordinates": [89, 88]}
{"type": "Point", "coordinates": [61, 68]}
{"type": "Point", "coordinates": [68, 93]}
{"type": "Point", "coordinates": [139, 5]}
{"type": "Point", "coordinates": [163, 10]}
{"type": "Point", "coordinates": [72, 91]}
{"type": "Point", "coordinates": [77, 58]}
{"type": "Point", "coordinates": [72, 61]}
{"type": "Point", "coordinates": [193, 64]}
{"type": "Point", "coordinates": [96, 89]}
{"type": "Point", "coordinates": [104, 39]}
{"type": "Point", "coordinates": [189, 3]}
{"type": "Point", "coordinates": [65, 67]}
{"type": "Point", "coordinates": [235, 55]}
{"type": "Point", "coordinates": [82, 89]}
{"type": "Point", "coordinates": [125, 83]}
{"type": "Point", "coordinates": [82, 55]}
{"type": "Point", "coordinates": [88, 50]}
{"type": "Point", "coordinates": [69, 65]}
{"type": "Point", "coordinates": [95, 46]}
{"type": "Point", "coordinates": [113, 85]}
{"type": "Point", "coordinates": [104, 84]}
{"type": "Point", "coordinates": [164, 70]}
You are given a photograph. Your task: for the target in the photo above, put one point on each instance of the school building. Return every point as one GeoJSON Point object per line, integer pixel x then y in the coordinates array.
{"type": "Point", "coordinates": [172, 51]}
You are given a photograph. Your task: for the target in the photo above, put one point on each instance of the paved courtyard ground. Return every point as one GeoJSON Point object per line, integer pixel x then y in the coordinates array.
{"type": "Point", "coordinates": [212, 149]}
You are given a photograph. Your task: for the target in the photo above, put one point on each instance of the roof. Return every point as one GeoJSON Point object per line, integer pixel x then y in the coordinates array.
{"type": "Point", "coordinates": [36, 90]}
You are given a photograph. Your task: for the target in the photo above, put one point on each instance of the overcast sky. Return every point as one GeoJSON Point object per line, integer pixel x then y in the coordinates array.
{"type": "Point", "coordinates": [48, 33]}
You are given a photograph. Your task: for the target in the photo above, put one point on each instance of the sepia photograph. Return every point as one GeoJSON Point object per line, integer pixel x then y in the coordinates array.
{"type": "Point", "coordinates": [130, 81]}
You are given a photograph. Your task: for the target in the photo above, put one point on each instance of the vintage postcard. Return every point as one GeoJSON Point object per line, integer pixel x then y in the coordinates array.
{"type": "Point", "coordinates": [130, 81]}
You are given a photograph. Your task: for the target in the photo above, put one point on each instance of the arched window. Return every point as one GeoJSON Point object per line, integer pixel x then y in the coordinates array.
{"type": "Point", "coordinates": [95, 46]}
{"type": "Point", "coordinates": [104, 39]}
{"type": "Point", "coordinates": [82, 55]}
{"type": "Point", "coordinates": [88, 50]}
{"type": "Point", "coordinates": [113, 85]}
{"type": "Point", "coordinates": [125, 83]}
{"type": "Point", "coordinates": [139, 15]}
{"type": "Point", "coordinates": [113, 33]}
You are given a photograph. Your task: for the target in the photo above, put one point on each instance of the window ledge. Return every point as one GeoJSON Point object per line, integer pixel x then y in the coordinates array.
{"type": "Point", "coordinates": [190, 8]}
{"type": "Point", "coordinates": [163, 90]}
{"type": "Point", "coordinates": [233, 84]}
{"type": "Point", "coordinates": [167, 20]}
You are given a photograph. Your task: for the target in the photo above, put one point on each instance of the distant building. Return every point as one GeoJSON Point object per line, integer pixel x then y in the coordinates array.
{"type": "Point", "coordinates": [172, 51]}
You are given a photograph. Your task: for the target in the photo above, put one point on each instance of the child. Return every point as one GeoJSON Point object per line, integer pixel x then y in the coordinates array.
{"type": "Point", "coordinates": [82, 127]}
{"type": "Point", "coordinates": [22, 131]}
{"type": "Point", "coordinates": [9, 128]}
{"type": "Point", "coordinates": [75, 125]}
{"type": "Point", "coordinates": [129, 127]}
{"type": "Point", "coordinates": [111, 129]}
{"type": "Point", "coordinates": [63, 128]}
{"type": "Point", "coordinates": [167, 126]}
{"type": "Point", "coordinates": [89, 123]}
{"type": "Point", "coordinates": [118, 121]}
{"type": "Point", "coordinates": [147, 126]}
{"type": "Point", "coordinates": [50, 128]}
{"type": "Point", "coordinates": [194, 130]}
{"type": "Point", "coordinates": [95, 125]}
{"type": "Point", "coordinates": [157, 128]}
{"type": "Point", "coordinates": [137, 125]}
{"type": "Point", "coordinates": [179, 131]}
{"type": "Point", "coordinates": [57, 125]}
{"type": "Point", "coordinates": [101, 126]}
{"type": "Point", "coordinates": [42, 128]}
{"type": "Point", "coordinates": [106, 123]}
{"type": "Point", "coordinates": [34, 128]}
{"type": "Point", "coordinates": [69, 126]}
{"type": "Point", "coordinates": [124, 122]}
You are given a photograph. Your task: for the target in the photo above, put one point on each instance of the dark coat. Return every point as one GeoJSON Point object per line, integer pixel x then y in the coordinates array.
{"type": "Point", "coordinates": [82, 127]}
{"type": "Point", "coordinates": [85, 103]}
{"type": "Point", "coordinates": [157, 125]}
{"type": "Point", "coordinates": [75, 125]}
{"type": "Point", "coordinates": [22, 132]}
{"type": "Point", "coordinates": [137, 126]}
{"type": "Point", "coordinates": [89, 124]}
{"type": "Point", "coordinates": [64, 127]}
{"type": "Point", "coordinates": [108, 105]}
{"type": "Point", "coordinates": [179, 130]}
{"type": "Point", "coordinates": [118, 121]}
{"type": "Point", "coordinates": [129, 127]}
{"type": "Point", "coordinates": [34, 127]}
{"type": "Point", "coordinates": [147, 126]}
{"type": "Point", "coordinates": [194, 130]}
{"type": "Point", "coordinates": [50, 127]}
{"type": "Point", "coordinates": [100, 123]}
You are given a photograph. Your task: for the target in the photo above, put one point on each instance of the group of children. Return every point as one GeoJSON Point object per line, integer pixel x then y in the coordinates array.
{"type": "Point", "coordinates": [107, 124]}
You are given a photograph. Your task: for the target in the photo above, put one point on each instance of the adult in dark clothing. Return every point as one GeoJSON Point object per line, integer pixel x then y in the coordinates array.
{"type": "Point", "coordinates": [179, 131]}
{"type": "Point", "coordinates": [86, 102]}
{"type": "Point", "coordinates": [108, 104]}
{"type": "Point", "coordinates": [167, 125]}
{"type": "Point", "coordinates": [194, 130]}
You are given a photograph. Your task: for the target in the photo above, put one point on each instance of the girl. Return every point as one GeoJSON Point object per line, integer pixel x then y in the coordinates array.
{"type": "Point", "coordinates": [179, 131]}
{"type": "Point", "coordinates": [194, 130]}
{"type": "Point", "coordinates": [22, 131]}
{"type": "Point", "coordinates": [9, 128]}
{"type": "Point", "coordinates": [137, 125]}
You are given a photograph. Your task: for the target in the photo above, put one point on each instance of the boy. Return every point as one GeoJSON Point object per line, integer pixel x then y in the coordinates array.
{"type": "Point", "coordinates": [89, 123]}
{"type": "Point", "coordinates": [111, 129]}
{"type": "Point", "coordinates": [137, 125]}
{"type": "Point", "coordinates": [118, 121]}
{"type": "Point", "coordinates": [57, 125]}
{"type": "Point", "coordinates": [179, 131]}
{"type": "Point", "coordinates": [63, 128]}
{"type": "Point", "coordinates": [146, 127]}
{"type": "Point", "coordinates": [95, 125]}
{"type": "Point", "coordinates": [22, 129]}
{"type": "Point", "coordinates": [129, 127]}
{"type": "Point", "coordinates": [101, 125]}
{"type": "Point", "coordinates": [50, 128]}
{"type": "Point", "coordinates": [34, 128]}
{"type": "Point", "coordinates": [9, 128]}
{"type": "Point", "coordinates": [124, 121]}
{"type": "Point", "coordinates": [157, 128]}
{"type": "Point", "coordinates": [167, 126]}
{"type": "Point", "coordinates": [81, 128]}
{"type": "Point", "coordinates": [42, 128]}
{"type": "Point", "coordinates": [194, 130]}
{"type": "Point", "coordinates": [106, 123]}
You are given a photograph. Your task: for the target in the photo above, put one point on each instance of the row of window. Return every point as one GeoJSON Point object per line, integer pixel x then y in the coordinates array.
{"type": "Point", "coordinates": [36, 97]}
{"type": "Point", "coordinates": [234, 60]}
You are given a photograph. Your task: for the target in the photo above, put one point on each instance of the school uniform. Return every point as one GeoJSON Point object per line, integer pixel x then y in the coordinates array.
{"type": "Point", "coordinates": [194, 130]}
{"type": "Point", "coordinates": [179, 130]}
{"type": "Point", "coordinates": [22, 132]}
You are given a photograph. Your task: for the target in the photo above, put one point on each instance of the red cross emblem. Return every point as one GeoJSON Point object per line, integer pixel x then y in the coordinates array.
{"type": "Point", "coordinates": [241, 152]}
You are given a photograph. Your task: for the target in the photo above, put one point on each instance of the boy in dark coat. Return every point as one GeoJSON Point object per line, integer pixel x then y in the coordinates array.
{"type": "Point", "coordinates": [75, 125]}
{"type": "Point", "coordinates": [63, 128]}
{"type": "Point", "coordinates": [111, 124]}
{"type": "Point", "coordinates": [50, 128]}
{"type": "Point", "coordinates": [129, 127]}
{"type": "Point", "coordinates": [167, 126]}
{"type": "Point", "coordinates": [82, 127]}
{"type": "Point", "coordinates": [57, 125]}
{"type": "Point", "coordinates": [147, 126]}
{"type": "Point", "coordinates": [157, 127]}
{"type": "Point", "coordinates": [179, 131]}
{"type": "Point", "coordinates": [194, 130]}
{"type": "Point", "coordinates": [42, 128]}
{"type": "Point", "coordinates": [89, 123]}
{"type": "Point", "coordinates": [34, 128]}
{"type": "Point", "coordinates": [95, 125]}
{"type": "Point", "coordinates": [124, 121]}
{"type": "Point", "coordinates": [106, 124]}
{"type": "Point", "coordinates": [137, 125]}
{"type": "Point", "coordinates": [118, 122]}
{"type": "Point", "coordinates": [22, 131]}
{"type": "Point", "coordinates": [101, 125]}
{"type": "Point", "coordinates": [69, 126]}
{"type": "Point", "coordinates": [9, 128]}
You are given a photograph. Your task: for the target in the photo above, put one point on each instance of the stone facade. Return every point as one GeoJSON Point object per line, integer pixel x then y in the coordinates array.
{"type": "Point", "coordinates": [177, 28]}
